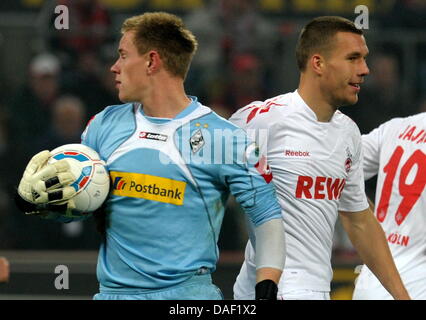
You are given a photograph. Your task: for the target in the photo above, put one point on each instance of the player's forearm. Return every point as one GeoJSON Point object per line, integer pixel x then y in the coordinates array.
{"type": "Point", "coordinates": [375, 253]}
{"type": "Point", "coordinates": [268, 274]}
{"type": "Point", "coordinates": [270, 250]}
{"type": "Point", "coordinates": [270, 257]}
{"type": "Point", "coordinates": [369, 240]}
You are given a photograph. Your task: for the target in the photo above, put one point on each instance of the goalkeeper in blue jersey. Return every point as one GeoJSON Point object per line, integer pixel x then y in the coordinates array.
{"type": "Point", "coordinates": [173, 163]}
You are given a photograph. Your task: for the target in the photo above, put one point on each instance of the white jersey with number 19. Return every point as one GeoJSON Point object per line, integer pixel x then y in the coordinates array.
{"type": "Point", "coordinates": [396, 152]}
{"type": "Point", "coordinates": [316, 168]}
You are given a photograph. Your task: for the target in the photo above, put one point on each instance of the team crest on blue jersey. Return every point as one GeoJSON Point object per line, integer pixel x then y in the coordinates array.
{"type": "Point", "coordinates": [197, 141]}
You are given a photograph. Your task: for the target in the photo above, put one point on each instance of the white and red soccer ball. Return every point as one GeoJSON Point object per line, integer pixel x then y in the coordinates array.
{"type": "Point", "coordinates": [92, 178]}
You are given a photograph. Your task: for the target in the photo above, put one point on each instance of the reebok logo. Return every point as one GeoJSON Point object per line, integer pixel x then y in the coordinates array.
{"type": "Point", "coordinates": [148, 187]}
{"type": "Point", "coordinates": [291, 153]}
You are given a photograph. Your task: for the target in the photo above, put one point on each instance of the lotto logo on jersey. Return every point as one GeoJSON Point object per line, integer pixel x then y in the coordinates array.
{"type": "Point", "coordinates": [148, 187]}
{"type": "Point", "coordinates": [319, 188]}
{"type": "Point", "coordinates": [153, 136]}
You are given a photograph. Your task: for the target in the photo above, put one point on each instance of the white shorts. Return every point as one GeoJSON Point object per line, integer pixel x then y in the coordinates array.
{"type": "Point", "coordinates": [368, 287]}
{"type": "Point", "coordinates": [246, 281]}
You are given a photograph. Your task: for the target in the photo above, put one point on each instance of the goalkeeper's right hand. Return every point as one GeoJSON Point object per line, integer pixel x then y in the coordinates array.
{"type": "Point", "coordinates": [45, 187]}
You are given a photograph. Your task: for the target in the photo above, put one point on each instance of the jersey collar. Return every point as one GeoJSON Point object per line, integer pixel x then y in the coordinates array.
{"type": "Point", "coordinates": [189, 109]}
{"type": "Point", "coordinates": [310, 113]}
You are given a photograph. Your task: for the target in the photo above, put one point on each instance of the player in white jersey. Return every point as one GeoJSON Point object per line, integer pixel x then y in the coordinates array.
{"type": "Point", "coordinates": [314, 154]}
{"type": "Point", "coordinates": [396, 153]}
{"type": "Point", "coordinates": [173, 163]}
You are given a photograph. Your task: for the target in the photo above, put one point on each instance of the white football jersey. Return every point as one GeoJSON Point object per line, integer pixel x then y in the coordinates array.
{"type": "Point", "coordinates": [316, 170]}
{"type": "Point", "coordinates": [396, 152]}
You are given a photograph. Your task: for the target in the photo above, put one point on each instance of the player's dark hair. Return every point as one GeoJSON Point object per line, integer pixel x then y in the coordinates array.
{"type": "Point", "coordinates": [165, 33]}
{"type": "Point", "coordinates": [317, 37]}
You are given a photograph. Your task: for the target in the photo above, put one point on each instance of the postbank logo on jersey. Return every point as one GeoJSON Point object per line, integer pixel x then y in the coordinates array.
{"type": "Point", "coordinates": [145, 186]}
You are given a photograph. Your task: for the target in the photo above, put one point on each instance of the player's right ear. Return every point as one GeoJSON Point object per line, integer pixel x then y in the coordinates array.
{"type": "Point", "coordinates": [153, 62]}
{"type": "Point", "coordinates": [317, 63]}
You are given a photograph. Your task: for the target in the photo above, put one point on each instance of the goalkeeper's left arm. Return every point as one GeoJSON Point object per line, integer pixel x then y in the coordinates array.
{"type": "Point", "coordinates": [45, 190]}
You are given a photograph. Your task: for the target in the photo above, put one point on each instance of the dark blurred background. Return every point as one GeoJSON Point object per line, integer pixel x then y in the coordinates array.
{"type": "Point", "coordinates": [52, 81]}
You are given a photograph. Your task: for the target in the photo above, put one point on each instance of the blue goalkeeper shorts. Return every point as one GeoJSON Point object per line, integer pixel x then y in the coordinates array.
{"type": "Point", "coordinates": [198, 287]}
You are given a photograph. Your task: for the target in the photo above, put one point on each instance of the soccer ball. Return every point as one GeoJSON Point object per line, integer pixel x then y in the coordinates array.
{"type": "Point", "coordinates": [92, 182]}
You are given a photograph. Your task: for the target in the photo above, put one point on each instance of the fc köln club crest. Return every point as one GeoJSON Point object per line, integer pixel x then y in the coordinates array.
{"type": "Point", "coordinates": [348, 161]}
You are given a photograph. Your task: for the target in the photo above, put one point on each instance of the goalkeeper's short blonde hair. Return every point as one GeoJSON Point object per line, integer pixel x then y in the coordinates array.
{"type": "Point", "coordinates": [165, 33]}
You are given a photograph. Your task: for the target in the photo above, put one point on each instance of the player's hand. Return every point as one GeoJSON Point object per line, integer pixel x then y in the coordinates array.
{"type": "Point", "coordinates": [266, 290]}
{"type": "Point", "coordinates": [43, 185]}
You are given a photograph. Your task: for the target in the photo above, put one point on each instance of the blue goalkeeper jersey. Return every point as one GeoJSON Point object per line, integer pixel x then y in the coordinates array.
{"type": "Point", "coordinates": [171, 179]}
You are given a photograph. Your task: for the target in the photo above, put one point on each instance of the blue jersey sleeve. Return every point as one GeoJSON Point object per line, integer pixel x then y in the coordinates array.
{"type": "Point", "coordinates": [243, 177]}
{"type": "Point", "coordinates": [89, 136]}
